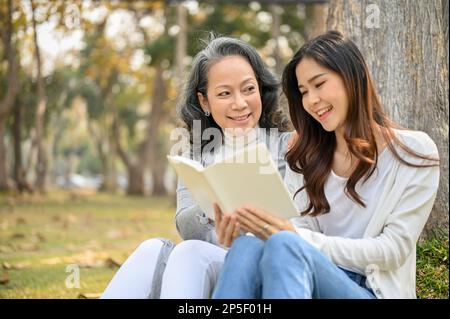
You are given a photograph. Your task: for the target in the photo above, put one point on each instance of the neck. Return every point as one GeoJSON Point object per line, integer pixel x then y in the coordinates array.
{"type": "Point", "coordinates": [341, 144]}
{"type": "Point", "coordinates": [241, 138]}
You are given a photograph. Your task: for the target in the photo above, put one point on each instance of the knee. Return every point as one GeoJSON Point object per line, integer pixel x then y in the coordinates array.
{"type": "Point", "coordinates": [150, 245]}
{"type": "Point", "coordinates": [188, 250]}
{"type": "Point", "coordinates": [246, 247]}
{"type": "Point", "coordinates": [191, 225]}
{"type": "Point", "coordinates": [284, 240]}
{"type": "Point", "coordinates": [282, 245]}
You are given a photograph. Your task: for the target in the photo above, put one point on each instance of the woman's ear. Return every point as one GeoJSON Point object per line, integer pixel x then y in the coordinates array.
{"type": "Point", "coordinates": [203, 102]}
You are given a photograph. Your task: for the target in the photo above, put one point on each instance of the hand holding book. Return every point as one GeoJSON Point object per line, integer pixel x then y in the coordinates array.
{"type": "Point", "coordinates": [226, 225]}
{"type": "Point", "coordinates": [250, 219]}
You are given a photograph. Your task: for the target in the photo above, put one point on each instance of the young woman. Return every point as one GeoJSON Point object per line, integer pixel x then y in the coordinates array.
{"type": "Point", "coordinates": [228, 89]}
{"type": "Point", "coordinates": [364, 187]}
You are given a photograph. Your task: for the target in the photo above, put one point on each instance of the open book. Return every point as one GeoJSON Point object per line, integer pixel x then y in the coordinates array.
{"type": "Point", "coordinates": [248, 177]}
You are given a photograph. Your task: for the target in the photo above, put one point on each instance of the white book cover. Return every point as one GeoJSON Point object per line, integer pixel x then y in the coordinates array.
{"type": "Point", "coordinates": [250, 176]}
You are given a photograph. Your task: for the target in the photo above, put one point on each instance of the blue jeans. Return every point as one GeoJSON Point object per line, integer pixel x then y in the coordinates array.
{"type": "Point", "coordinates": [284, 266]}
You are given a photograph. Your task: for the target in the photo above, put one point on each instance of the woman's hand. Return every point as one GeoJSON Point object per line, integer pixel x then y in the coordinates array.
{"type": "Point", "coordinates": [227, 227]}
{"type": "Point", "coordinates": [261, 223]}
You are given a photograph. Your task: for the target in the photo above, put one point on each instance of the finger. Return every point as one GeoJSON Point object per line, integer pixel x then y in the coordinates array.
{"type": "Point", "coordinates": [264, 216]}
{"type": "Point", "coordinates": [218, 221]}
{"type": "Point", "coordinates": [217, 213]}
{"type": "Point", "coordinates": [251, 227]}
{"type": "Point", "coordinates": [229, 231]}
{"type": "Point", "coordinates": [219, 228]}
{"type": "Point", "coordinates": [253, 220]}
{"type": "Point", "coordinates": [237, 230]}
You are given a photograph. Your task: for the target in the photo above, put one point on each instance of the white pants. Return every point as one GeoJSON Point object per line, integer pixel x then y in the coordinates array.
{"type": "Point", "coordinates": [191, 272]}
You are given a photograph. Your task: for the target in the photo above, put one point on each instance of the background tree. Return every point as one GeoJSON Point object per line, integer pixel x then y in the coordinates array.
{"type": "Point", "coordinates": [8, 54]}
{"type": "Point", "coordinates": [406, 47]}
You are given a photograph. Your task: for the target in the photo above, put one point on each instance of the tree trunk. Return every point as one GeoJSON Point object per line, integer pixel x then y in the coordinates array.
{"type": "Point", "coordinates": [316, 19]}
{"type": "Point", "coordinates": [406, 47]}
{"type": "Point", "coordinates": [19, 171]}
{"type": "Point", "coordinates": [276, 12]}
{"type": "Point", "coordinates": [181, 43]}
{"type": "Point", "coordinates": [13, 85]}
{"type": "Point", "coordinates": [41, 164]}
{"type": "Point", "coordinates": [109, 182]}
{"type": "Point", "coordinates": [136, 169]}
{"type": "Point", "coordinates": [155, 151]}
{"type": "Point", "coordinates": [136, 184]}
{"type": "Point", "coordinates": [4, 185]}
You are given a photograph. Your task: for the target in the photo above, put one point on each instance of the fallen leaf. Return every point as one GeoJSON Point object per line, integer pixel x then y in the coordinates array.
{"type": "Point", "coordinates": [21, 221]}
{"type": "Point", "coordinates": [38, 237]}
{"type": "Point", "coordinates": [72, 219]}
{"type": "Point", "coordinates": [28, 247]}
{"type": "Point", "coordinates": [95, 295]}
{"type": "Point", "coordinates": [4, 279]}
{"type": "Point", "coordinates": [22, 265]}
{"type": "Point", "coordinates": [17, 236]}
{"type": "Point", "coordinates": [6, 265]}
{"type": "Point", "coordinates": [111, 263]}
{"type": "Point", "coordinates": [114, 234]}
{"type": "Point", "coordinates": [52, 261]}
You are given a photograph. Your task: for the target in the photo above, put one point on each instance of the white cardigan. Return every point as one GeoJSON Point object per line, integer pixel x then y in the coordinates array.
{"type": "Point", "coordinates": [387, 251]}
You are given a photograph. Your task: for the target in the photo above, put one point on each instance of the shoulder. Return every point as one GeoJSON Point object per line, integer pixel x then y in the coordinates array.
{"type": "Point", "coordinates": [417, 141]}
{"type": "Point", "coordinates": [282, 140]}
{"type": "Point", "coordinates": [286, 139]}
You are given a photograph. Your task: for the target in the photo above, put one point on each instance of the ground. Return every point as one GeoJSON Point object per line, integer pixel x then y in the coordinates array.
{"type": "Point", "coordinates": [50, 243]}
{"type": "Point", "coordinates": [40, 237]}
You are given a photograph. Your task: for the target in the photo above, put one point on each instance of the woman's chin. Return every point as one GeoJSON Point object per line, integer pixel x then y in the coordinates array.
{"type": "Point", "coordinates": [244, 125]}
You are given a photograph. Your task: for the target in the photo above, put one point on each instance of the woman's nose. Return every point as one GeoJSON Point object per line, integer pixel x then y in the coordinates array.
{"type": "Point", "coordinates": [239, 102]}
{"type": "Point", "coordinates": [313, 98]}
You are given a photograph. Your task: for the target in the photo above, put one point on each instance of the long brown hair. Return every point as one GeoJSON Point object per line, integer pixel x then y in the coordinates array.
{"type": "Point", "coordinates": [312, 153]}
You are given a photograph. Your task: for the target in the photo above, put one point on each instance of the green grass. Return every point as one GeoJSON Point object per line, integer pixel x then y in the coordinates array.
{"type": "Point", "coordinates": [42, 236]}
{"type": "Point", "coordinates": [432, 267]}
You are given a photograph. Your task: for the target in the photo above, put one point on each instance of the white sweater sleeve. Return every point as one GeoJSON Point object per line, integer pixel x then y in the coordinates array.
{"type": "Point", "coordinates": [407, 206]}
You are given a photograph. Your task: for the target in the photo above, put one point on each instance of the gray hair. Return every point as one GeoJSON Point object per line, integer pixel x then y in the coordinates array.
{"type": "Point", "coordinates": [216, 48]}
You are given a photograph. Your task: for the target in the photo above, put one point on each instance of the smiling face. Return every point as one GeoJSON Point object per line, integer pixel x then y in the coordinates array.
{"type": "Point", "coordinates": [233, 96]}
{"type": "Point", "coordinates": [324, 95]}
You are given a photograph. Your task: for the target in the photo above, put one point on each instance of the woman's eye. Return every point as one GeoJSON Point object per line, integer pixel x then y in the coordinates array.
{"type": "Point", "coordinates": [250, 89]}
{"type": "Point", "coordinates": [224, 93]}
{"type": "Point", "coordinates": [303, 93]}
{"type": "Point", "coordinates": [320, 84]}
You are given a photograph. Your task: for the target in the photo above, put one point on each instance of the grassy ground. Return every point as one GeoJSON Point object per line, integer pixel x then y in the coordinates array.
{"type": "Point", "coordinates": [40, 238]}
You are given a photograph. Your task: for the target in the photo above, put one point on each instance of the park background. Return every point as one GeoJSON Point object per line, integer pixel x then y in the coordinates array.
{"type": "Point", "coordinates": [88, 93]}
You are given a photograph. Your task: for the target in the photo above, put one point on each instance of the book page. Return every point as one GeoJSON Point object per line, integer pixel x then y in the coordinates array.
{"type": "Point", "coordinates": [191, 174]}
{"type": "Point", "coordinates": [251, 179]}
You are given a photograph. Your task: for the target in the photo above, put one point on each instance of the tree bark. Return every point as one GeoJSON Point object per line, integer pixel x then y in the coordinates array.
{"type": "Point", "coordinates": [4, 184]}
{"type": "Point", "coordinates": [406, 48]}
{"type": "Point", "coordinates": [155, 151]}
{"type": "Point", "coordinates": [41, 163]}
{"type": "Point", "coordinates": [181, 43]}
{"type": "Point", "coordinates": [19, 171]}
{"type": "Point", "coordinates": [13, 85]}
{"type": "Point", "coordinates": [135, 168]}
{"type": "Point", "coordinates": [276, 12]}
{"type": "Point", "coordinates": [316, 19]}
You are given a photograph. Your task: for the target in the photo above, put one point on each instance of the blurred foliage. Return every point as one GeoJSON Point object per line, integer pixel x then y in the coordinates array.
{"type": "Point", "coordinates": [97, 83]}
